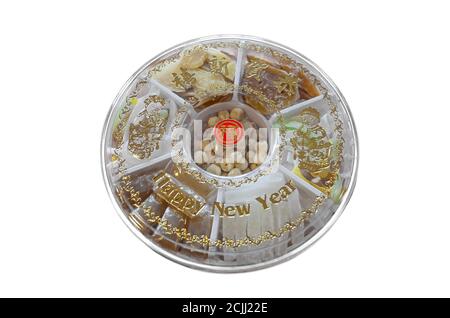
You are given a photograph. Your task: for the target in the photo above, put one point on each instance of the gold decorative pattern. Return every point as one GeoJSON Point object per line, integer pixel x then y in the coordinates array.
{"type": "Point", "coordinates": [144, 136]}
{"type": "Point", "coordinates": [184, 80]}
{"type": "Point", "coordinates": [155, 99]}
{"type": "Point", "coordinates": [167, 190]}
{"type": "Point", "coordinates": [287, 84]}
{"type": "Point", "coordinates": [255, 69]}
{"type": "Point", "coordinates": [125, 112]}
{"type": "Point", "coordinates": [219, 66]}
{"type": "Point", "coordinates": [314, 150]}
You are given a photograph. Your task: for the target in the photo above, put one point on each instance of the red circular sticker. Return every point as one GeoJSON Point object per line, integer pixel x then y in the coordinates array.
{"type": "Point", "coordinates": [228, 131]}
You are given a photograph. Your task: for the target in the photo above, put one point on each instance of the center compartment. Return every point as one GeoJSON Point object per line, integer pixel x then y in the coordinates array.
{"type": "Point", "coordinates": [258, 149]}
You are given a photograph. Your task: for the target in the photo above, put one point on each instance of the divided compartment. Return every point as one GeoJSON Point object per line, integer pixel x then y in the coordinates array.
{"type": "Point", "coordinates": [252, 225]}
{"type": "Point", "coordinates": [253, 115]}
{"type": "Point", "coordinates": [281, 70]}
{"type": "Point", "coordinates": [173, 103]}
{"type": "Point", "coordinates": [288, 163]}
{"type": "Point", "coordinates": [196, 225]}
{"type": "Point", "coordinates": [201, 75]}
{"type": "Point", "coordinates": [141, 180]}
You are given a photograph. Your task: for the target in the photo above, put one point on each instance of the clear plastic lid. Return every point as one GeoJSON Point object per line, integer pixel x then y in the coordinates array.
{"type": "Point", "coordinates": [229, 153]}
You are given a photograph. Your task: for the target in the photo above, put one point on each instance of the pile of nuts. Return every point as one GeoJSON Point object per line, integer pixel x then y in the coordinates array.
{"type": "Point", "coordinates": [228, 160]}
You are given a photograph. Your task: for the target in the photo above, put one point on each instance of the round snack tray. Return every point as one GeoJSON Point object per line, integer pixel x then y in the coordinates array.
{"type": "Point", "coordinates": [208, 218]}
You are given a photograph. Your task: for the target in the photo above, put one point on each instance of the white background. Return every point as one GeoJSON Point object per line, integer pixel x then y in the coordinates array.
{"type": "Point", "coordinates": [61, 65]}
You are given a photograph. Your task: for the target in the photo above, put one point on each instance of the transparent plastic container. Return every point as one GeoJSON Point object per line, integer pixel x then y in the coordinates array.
{"type": "Point", "coordinates": [229, 153]}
